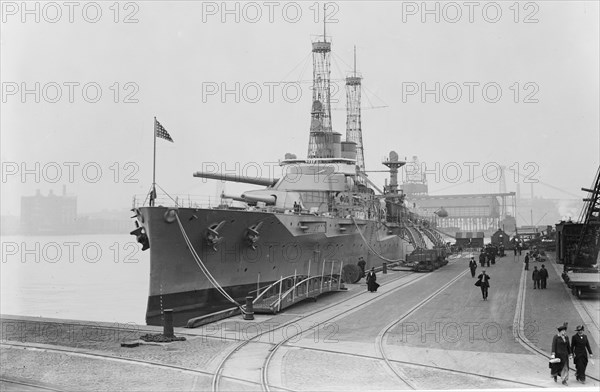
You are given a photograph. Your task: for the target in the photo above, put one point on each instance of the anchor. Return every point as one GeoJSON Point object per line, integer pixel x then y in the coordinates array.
{"type": "Point", "coordinates": [141, 236]}
{"type": "Point", "coordinates": [213, 237]}
{"type": "Point", "coordinates": [252, 236]}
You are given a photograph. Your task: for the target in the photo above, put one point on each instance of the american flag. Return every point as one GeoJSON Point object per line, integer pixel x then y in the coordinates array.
{"type": "Point", "coordinates": [161, 132]}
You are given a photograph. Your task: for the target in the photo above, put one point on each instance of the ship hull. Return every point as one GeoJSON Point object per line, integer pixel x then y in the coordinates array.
{"type": "Point", "coordinates": [251, 249]}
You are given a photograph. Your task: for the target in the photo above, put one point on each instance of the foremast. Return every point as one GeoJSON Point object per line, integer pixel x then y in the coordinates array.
{"type": "Point", "coordinates": [353, 116]}
{"type": "Point", "coordinates": [321, 143]}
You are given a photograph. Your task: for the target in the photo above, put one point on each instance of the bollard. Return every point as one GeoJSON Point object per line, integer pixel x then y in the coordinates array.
{"type": "Point", "coordinates": [249, 314]}
{"type": "Point", "coordinates": [384, 269]}
{"type": "Point", "coordinates": [168, 323]}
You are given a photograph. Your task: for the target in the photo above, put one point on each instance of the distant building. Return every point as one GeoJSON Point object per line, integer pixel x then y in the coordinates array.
{"type": "Point", "coordinates": [53, 214]}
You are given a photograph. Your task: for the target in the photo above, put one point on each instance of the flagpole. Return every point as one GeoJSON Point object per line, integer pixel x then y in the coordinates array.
{"type": "Point", "coordinates": [153, 194]}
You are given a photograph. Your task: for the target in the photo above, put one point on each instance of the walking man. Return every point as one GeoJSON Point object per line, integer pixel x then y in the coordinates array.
{"type": "Point", "coordinates": [543, 276]}
{"type": "Point", "coordinates": [484, 284]}
{"type": "Point", "coordinates": [473, 266]}
{"type": "Point", "coordinates": [579, 345]}
{"type": "Point", "coordinates": [536, 278]}
{"type": "Point", "coordinates": [561, 349]}
{"type": "Point", "coordinates": [526, 261]}
{"type": "Point", "coordinates": [482, 259]}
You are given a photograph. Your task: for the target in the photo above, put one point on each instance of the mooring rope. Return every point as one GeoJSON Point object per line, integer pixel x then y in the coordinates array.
{"type": "Point", "coordinates": [203, 268]}
{"type": "Point", "coordinates": [370, 247]}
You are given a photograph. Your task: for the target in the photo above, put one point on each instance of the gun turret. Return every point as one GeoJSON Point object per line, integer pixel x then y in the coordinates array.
{"type": "Point", "coordinates": [237, 178]}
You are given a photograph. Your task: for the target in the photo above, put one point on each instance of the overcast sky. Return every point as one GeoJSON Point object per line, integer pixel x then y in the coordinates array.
{"type": "Point", "coordinates": [522, 95]}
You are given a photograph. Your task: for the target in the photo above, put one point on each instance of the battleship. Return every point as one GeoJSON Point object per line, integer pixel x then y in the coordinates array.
{"type": "Point", "coordinates": [324, 213]}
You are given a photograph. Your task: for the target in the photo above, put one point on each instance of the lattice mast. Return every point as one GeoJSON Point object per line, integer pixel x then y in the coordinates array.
{"type": "Point", "coordinates": [320, 144]}
{"type": "Point", "coordinates": [353, 119]}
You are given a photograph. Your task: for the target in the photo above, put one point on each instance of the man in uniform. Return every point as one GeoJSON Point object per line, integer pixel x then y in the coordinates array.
{"type": "Point", "coordinates": [579, 345]}
{"type": "Point", "coordinates": [543, 276]}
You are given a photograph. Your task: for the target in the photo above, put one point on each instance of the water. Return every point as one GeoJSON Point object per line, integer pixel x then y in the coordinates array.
{"type": "Point", "coordinates": [85, 277]}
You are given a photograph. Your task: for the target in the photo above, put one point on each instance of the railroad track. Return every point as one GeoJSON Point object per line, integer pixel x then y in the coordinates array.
{"type": "Point", "coordinates": [519, 323]}
{"type": "Point", "coordinates": [13, 384]}
{"type": "Point", "coordinates": [382, 355]}
{"type": "Point", "coordinates": [219, 374]}
{"type": "Point", "coordinates": [107, 357]}
{"type": "Point", "coordinates": [402, 376]}
{"type": "Point", "coordinates": [429, 367]}
{"type": "Point", "coordinates": [270, 350]}
{"type": "Point", "coordinates": [380, 337]}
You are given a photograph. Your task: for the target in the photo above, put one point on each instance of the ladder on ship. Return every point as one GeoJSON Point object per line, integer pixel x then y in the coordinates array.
{"type": "Point", "coordinates": [290, 290]}
{"type": "Point", "coordinates": [433, 236]}
{"type": "Point", "coordinates": [416, 237]}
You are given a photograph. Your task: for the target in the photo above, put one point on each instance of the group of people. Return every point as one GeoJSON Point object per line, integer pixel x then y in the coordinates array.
{"type": "Point", "coordinates": [535, 257]}
{"type": "Point", "coordinates": [563, 351]}
{"type": "Point", "coordinates": [539, 277]}
{"type": "Point", "coordinates": [486, 258]}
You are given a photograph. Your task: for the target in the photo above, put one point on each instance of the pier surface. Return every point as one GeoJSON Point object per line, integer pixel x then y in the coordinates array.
{"type": "Point", "coordinates": [418, 331]}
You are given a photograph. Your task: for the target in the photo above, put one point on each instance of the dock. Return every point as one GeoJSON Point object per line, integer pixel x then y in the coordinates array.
{"type": "Point", "coordinates": [418, 331]}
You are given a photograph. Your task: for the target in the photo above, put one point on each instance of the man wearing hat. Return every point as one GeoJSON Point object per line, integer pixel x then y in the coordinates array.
{"type": "Point", "coordinates": [483, 280]}
{"type": "Point", "coordinates": [579, 344]}
{"type": "Point", "coordinates": [543, 276]}
{"type": "Point", "coordinates": [561, 349]}
{"type": "Point", "coordinates": [472, 266]}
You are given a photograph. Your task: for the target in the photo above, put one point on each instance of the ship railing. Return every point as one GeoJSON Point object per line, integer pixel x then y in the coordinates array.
{"type": "Point", "coordinates": [182, 200]}
{"type": "Point", "coordinates": [291, 289]}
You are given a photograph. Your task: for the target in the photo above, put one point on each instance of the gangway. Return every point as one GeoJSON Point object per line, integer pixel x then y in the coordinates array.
{"type": "Point", "coordinates": [416, 237]}
{"type": "Point", "coordinates": [292, 289]}
{"type": "Point", "coordinates": [433, 236]}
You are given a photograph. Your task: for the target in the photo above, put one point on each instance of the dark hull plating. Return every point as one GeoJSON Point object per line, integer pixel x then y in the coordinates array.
{"type": "Point", "coordinates": [287, 244]}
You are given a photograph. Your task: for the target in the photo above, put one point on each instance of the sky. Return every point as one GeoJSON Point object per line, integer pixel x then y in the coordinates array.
{"type": "Point", "coordinates": [465, 88]}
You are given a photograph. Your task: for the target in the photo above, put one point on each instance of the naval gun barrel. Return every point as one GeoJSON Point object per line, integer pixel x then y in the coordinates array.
{"type": "Point", "coordinates": [250, 198]}
{"type": "Point", "coordinates": [237, 178]}
{"type": "Point", "coordinates": [267, 199]}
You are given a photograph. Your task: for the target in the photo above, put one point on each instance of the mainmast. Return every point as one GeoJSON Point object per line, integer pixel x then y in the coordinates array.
{"type": "Point", "coordinates": [353, 121]}
{"type": "Point", "coordinates": [321, 143]}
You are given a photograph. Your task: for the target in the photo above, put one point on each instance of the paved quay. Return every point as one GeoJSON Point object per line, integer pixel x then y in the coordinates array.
{"type": "Point", "coordinates": [419, 331]}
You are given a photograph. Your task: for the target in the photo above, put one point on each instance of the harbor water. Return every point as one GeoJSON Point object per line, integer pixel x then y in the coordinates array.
{"type": "Point", "coordinates": [84, 277]}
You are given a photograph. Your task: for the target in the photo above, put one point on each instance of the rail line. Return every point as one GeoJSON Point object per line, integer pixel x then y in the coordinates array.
{"type": "Point", "coordinates": [380, 337]}
{"type": "Point", "coordinates": [30, 384]}
{"type": "Point", "coordinates": [264, 368]}
{"type": "Point", "coordinates": [217, 375]}
{"type": "Point", "coordinates": [519, 322]}
{"type": "Point", "coordinates": [382, 356]}
{"type": "Point", "coordinates": [94, 355]}
{"type": "Point", "coordinates": [444, 369]}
